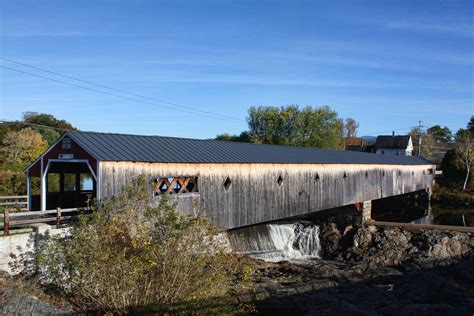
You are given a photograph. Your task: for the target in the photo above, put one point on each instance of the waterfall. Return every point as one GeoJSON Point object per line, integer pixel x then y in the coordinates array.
{"type": "Point", "coordinates": [277, 242]}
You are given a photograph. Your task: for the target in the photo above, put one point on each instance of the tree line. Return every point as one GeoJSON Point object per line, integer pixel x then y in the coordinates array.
{"type": "Point", "coordinates": [321, 127]}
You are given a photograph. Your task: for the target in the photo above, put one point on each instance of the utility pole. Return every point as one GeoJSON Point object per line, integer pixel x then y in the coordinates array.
{"type": "Point", "coordinates": [420, 126]}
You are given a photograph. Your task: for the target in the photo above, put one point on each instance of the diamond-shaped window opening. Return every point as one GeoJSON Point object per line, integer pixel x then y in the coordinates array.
{"type": "Point", "coordinates": [344, 175]}
{"type": "Point", "coordinates": [162, 188]}
{"type": "Point", "coordinates": [366, 174]}
{"type": "Point", "coordinates": [317, 177]}
{"type": "Point", "coordinates": [176, 186]}
{"type": "Point", "coordinates": [177, 183]}
{"type": "Point", "coordinates": [192, 185]}
{"type": "Point", "coordinates": [227, 184]}
{"type": "Point", "coordinates": [280, 180]}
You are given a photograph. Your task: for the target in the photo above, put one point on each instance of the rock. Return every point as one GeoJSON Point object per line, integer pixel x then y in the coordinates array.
{"type": "Point", "coordinates": [330, 237]}
{"type": "Point", "coordinates": [429, 287]}
{"type": "Point", "coordinates": [375, 271]}
{"type": "Point", "coordinates": [393, 246]}
{"type": "Point", "coordinates": [16, 303]}
{"type": "Point", "coordinates": [365, 236]}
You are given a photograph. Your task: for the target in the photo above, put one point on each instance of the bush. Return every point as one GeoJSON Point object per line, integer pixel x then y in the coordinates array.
{"type": "Point", "coordinates": [129, 256]}
{"type": "Point", "coordinates": [444, 196]}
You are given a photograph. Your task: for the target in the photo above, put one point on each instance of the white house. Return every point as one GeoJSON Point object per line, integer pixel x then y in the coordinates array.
{"type": "Point", "coordinates": [400, 145]}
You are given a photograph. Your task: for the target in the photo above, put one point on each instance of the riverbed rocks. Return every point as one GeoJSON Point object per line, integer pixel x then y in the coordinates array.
{"type": "Point", "coordinates": [332, 288]}
{"type": "Point", "coordinates": [379, 246]}
{"type": "Point", "coordinates": [372, 271]}
{"type": "Point", "coordinates": [330, 237]}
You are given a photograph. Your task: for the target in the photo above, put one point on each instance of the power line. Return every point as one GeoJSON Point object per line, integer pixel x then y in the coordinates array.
{"type": "Point", "coordinates": [34, 124]}
{"type": "Point", "coordinates": [169, 105]}
{"type": "Point", "coordinates": [391, 130]}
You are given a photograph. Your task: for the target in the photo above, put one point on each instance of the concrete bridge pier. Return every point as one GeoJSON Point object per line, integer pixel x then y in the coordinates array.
{"type": "Point", "coordinates": [364, 209]}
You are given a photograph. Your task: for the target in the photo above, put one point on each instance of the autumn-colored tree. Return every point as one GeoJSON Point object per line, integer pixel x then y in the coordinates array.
{"type": "Point", "coordinates": [21, 148]}
{"type": "Point", "coordinates": [18, 150]}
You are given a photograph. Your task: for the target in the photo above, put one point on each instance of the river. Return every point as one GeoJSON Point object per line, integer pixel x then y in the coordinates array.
{"type": "Point", "coordinates": [419, 214]}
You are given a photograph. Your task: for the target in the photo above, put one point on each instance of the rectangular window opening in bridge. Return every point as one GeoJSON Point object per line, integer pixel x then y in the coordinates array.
{"type": "Point", "coordinates": [176, 185]}
{"type": "Point", "coordinates": [430, 171]}
{"type": "Point", "coordinates": [53, 182]}
{"type": "Point", "coordinates": [87, 182]}
{"type": "Point", "coordinates": [69, 182]}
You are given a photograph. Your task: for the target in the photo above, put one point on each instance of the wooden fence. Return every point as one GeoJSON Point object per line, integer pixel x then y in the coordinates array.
{"type": "Point", "coordinates": [57, 216]}
{"type": "Point", "coordinates": [14, 203]}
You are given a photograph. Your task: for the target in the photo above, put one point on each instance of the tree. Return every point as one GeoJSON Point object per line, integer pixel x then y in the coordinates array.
{"type": "Point", "coordinates": [46, 119]}
{"type": "Point", "coordinates": [21, 148]}
{"type": "Point", "coordinates": [295, 126]}
{"type": "Point", "coordinates": [49, 134]}
{"type": "Point", "coordinates": [18, 150]}
{"type": "Point", "coordinates": [441, 133]}
{"type": "Point", "coordinates": [244, 137]}
{"type": "Point", "coordinates": [453, 172]}
{"type": "Point", "coordinates": [465, 149]}
{"type": "Point", "coordinates": [428, 143]}
{"type": "Point", "coordinates": [470, 125]}
{"type": "Point", "coordinates": [350, 127]}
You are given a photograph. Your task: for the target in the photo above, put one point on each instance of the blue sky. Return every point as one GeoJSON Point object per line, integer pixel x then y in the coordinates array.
{"type": "Point", "coordinates": [388, 64]}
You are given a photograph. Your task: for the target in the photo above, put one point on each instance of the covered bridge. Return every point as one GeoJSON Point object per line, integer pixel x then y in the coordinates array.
{"type": "Point", "coordinates": [232, 184]}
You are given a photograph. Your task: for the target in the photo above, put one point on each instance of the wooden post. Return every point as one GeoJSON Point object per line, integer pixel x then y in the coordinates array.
{"type": "Point", "coordinates": [58, 217]}
{"type": "Point", "coordinates": [28, 191]}
{"type": "Point", "coordinates": [6, 223]}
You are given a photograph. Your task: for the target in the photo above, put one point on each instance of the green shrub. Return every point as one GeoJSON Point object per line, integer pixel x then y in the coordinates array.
{"type": "Point", "coordinates": [442, 195]}
{"type": "Point", "coordinates": [129, 256]}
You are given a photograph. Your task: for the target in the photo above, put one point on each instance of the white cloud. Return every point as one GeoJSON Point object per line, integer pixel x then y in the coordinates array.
{"type": "Point", "coordinates": [440, 27]}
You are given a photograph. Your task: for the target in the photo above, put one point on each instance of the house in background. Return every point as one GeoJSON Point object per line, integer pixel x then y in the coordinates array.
{"type": "Point", "coordinates": [400, 145]}
{"type": "Point", "coordinates": [358, 144]}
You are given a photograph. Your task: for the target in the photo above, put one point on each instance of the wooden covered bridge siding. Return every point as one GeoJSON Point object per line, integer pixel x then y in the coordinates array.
{"type": "Point", "coordinates": [255, 195]}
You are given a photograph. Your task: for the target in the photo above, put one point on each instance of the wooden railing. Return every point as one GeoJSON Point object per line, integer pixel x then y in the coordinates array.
{"type": "Point", "coordinates": [19, 219]}
{"type": "Point", "coordinates": [17, 202]}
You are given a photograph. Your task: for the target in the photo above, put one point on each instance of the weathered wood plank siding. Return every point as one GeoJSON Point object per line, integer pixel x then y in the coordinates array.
{"type": "Point", "coordinates": [255, 196]}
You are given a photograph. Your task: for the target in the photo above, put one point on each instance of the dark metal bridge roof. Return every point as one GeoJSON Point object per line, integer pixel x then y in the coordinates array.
{"type": "Point", "coordinates": [121, 147]}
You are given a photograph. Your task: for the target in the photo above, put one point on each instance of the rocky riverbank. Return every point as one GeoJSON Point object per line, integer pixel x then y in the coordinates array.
{"type": "Point", "coordinates": [364, 271]}
{"type": "Point", "coordinates": [371, 271]}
